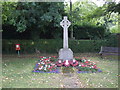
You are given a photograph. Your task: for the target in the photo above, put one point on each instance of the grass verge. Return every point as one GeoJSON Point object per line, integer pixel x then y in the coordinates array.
{"type": "Point", "coordinates": [17, 73]}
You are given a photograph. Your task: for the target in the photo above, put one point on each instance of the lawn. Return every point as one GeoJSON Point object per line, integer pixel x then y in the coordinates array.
{"type": "Point", "coordinates": [107, 79]}
{"type": "Point", "coordinates": [17, 73]}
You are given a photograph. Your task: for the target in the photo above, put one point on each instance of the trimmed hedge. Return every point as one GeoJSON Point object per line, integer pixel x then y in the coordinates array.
{"type": "Point", "coordinates": [53, 45]}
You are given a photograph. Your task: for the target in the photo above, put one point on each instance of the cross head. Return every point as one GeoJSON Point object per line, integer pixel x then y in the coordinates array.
{"type": "Point", "coordinates": [65, 23]}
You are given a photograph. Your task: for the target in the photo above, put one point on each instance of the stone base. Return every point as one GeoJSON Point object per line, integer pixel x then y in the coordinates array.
{"type": "Point", "coordinates": [65, 54]}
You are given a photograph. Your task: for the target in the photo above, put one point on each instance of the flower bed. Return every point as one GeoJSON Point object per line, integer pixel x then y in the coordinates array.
{"type": "Point", "coordinates": [45, 65]}
{"type": "Point", "coordinates": [51, 64]}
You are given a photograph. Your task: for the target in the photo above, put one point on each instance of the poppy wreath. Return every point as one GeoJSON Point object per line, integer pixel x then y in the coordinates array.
{"type": "Point", "coordinates": [66, 63]}
{"type": "Point", "coordinates": [59, 63]}
{"type": "Point", "coordinates": [74, 63]}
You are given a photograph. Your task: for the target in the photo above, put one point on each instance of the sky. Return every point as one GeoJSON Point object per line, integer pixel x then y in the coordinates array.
{"type": "Point", "coordinates": [97, 2]}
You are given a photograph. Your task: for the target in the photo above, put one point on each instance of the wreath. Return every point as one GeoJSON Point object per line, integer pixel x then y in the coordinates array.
{"type": "Point", "coordinates": [74, 63]}
{"type": "Point", "coordinates": [66, 63]}
{"type": "Point", "coordinates": [59, 63]}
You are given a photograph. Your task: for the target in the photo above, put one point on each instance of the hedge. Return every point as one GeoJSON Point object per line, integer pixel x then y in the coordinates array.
{"type": "Point", "coordinates": [53, 45]}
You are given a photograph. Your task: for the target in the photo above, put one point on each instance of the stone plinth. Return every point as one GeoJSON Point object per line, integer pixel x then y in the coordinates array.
{"type": "Point", "coordinates": [66, 54]}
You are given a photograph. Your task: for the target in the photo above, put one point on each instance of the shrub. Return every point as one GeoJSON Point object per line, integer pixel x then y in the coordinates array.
{"type": "Point", "coordinates": [89, 32]}
{"type": "Point", "coordinates": [53, 45]}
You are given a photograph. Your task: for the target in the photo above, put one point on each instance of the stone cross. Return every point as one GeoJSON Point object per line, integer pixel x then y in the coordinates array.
{"type": "Point", "coordinates": [65, 53]}
{"type": "Point", "coordinates": [65, 23]}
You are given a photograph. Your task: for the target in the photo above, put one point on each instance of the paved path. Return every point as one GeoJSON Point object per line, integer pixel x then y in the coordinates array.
{"type": "Point", "coordinates": [70, 80]}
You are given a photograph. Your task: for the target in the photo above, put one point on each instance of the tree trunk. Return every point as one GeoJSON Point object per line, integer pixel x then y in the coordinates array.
{"type": "Point", "coordinates": [71, 34]}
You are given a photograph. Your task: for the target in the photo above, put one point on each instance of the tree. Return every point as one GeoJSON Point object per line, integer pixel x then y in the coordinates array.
{"type": "Point", "coordinates": [80, 10]}
{"type": "Point", "coordinates": [71, 35]}
{"type": "Point", "coordinates": [7, 9]}
{"type": "Point", "coordinates": [106, 15]}
{"type": "Point", "coordinates": [34, 16]}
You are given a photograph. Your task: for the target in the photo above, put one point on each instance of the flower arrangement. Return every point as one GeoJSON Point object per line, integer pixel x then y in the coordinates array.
{"type": "Point", "coordinates": [67, 63]}
{"type": "Point", "coordinates": [45, 64]}
{"type": "Point", "coordinates": [59, 63]}
{"type": "Point", "coordinates": [87, 65]}
{"type": "Point", "coordinates": [74, 63]}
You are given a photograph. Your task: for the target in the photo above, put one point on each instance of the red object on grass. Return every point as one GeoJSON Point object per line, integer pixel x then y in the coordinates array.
{"type": "Point", "coordinates": [17, 46]}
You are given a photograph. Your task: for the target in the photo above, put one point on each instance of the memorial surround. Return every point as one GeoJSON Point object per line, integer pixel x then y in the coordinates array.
{"type": "Point", "coordinates": [65, 58]}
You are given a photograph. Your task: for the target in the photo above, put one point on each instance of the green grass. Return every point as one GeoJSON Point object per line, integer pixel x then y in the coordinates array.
{"type": "Point", "coordinates": [17, 73]}
{"type": "Point", "coordinates": [107, 79]}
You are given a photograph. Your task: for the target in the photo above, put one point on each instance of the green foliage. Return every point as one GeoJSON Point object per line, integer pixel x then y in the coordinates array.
{"type": "Point", "coordinates": [114, 29]}
{"type": "Point", "coordinates": [33, 16]}
{"type": "Point", "coordinates": [112, 40]}
{"type": "Point", "coordinates": [7, 9]}
{"type": "Point", "coordinates": [79, 12]}
{"type": "Point", "coordinates": [88, 13]}
{"type": "Point", "coordinates": [42, 19]}
{"type": "Point", "coordinates": [106, 15]}
{"type": "Point", "coordinates": [53, 46]}
{"type": "Point", "coordinates": [89, 32]}
{"type": "Point", "coordinates": [113, 7]}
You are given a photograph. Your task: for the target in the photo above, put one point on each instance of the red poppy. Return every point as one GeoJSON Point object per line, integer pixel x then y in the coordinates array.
{"type": "Point", "coordinates": [41, 56]}
{"type": "Point", "coordinates": [95, 66]}
{"type": "Point", "coordinates": [82, 65]}
{"type": "Point", "coordinates": [87, 62]}
{"type": "Point", "coordinates": [49, 62]}
{"type": "Point", "coordinates": [74, 63]}
{"type": "Point", "coordinates": [46, 59]}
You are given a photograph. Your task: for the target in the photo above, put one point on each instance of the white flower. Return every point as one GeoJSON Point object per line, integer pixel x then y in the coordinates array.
{"type": "Point", "coordinates": [44, 57]}
{"type": "Point", "coordinates": [52, 64]}
{"type": "Point", "coordinates": [94, 63]}
{"type": "Point", "coordinates": [66, 62]}
{"type": "Point", "coordinates": [89, 60]}
{"type": "Point", "coordinates": [80, 65]}
{"type": "Point", "coordinates": [60, 61]}
{"type": "Point", "coordinates": [74, 60]}
{"type": "Point", "coordinates": [45, 68]}
{"type": "Point", "coordinates": [92, 67]}
{"type": "Point", "coordinates": [42, 63]}
{"type": "Point", "coordinates": [38, 63]}
{"type": "Point", "coordinates": [48, 66]}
